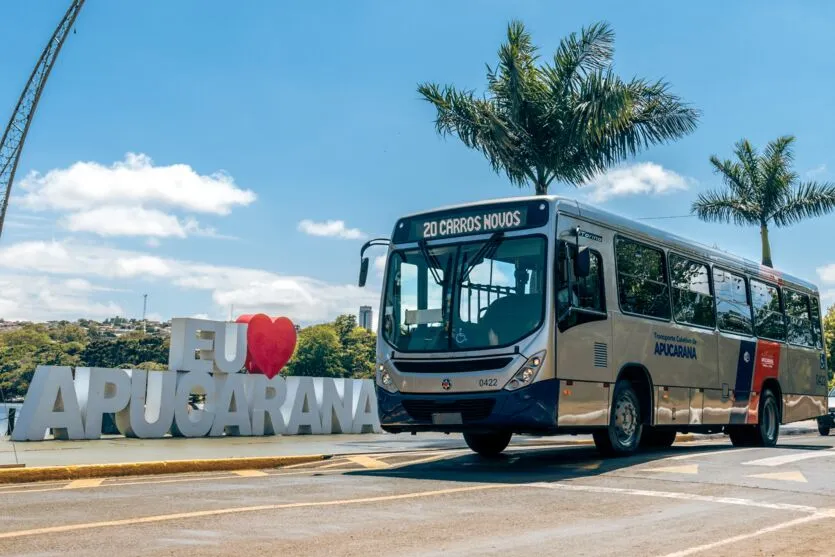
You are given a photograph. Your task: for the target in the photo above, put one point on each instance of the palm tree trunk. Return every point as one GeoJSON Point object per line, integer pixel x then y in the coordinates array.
{"type": "Point", "coordinates": [766, 246]}
{"type": "Point", "coordinates": [541, 183]}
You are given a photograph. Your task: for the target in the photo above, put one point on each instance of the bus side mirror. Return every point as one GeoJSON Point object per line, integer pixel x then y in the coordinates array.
{"type": "Point", "coordinates": [363, 271]}
{"type": "Point", "coordinates": [582, 263]}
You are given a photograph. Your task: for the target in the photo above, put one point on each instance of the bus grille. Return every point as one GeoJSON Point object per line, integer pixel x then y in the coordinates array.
{"type": "Point", "coordinates": [601, 354]}
{"type": "Point", "coordinates": [471, 410]}
{"type": "Point", "coordinates": [451, 366]}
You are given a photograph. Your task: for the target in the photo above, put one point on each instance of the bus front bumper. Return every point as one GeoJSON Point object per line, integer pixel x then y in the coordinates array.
{"type": "Point", "coordinates": [532, 409]}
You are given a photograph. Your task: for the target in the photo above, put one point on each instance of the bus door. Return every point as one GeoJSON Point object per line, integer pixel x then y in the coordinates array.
{"type": "Point", "coordinates": [804, 380]}
{"type": "Point", "coordinates": [584, 330]}
{"type": "Point", "coordinates": [737, 350]}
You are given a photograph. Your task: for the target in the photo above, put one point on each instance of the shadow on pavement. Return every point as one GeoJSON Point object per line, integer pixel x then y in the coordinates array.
{"type": "Point", "coordinates": [531, 465]}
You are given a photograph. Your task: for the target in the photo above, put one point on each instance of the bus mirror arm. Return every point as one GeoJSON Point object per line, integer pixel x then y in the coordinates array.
{"type": "Point", "coordinates": [364, 260]}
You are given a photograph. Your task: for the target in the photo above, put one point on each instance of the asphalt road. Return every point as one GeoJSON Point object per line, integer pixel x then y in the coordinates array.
{"type": "Point", "coordinates": [693, 499]}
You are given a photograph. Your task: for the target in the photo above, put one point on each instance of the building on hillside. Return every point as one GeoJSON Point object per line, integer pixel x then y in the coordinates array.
{"type": "Point", "coordinates": [366, 314]}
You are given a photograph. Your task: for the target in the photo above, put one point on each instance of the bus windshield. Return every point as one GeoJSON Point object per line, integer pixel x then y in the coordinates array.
{"type": "Point", "coordinates": [466, 296]}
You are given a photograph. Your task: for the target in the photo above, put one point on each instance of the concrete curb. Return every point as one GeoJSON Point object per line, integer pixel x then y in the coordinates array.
{"type": "Point", "coordinates": [86, 471]}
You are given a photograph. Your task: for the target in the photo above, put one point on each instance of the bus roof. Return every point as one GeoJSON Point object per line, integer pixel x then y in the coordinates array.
{"type": "Point", "coordinates": [627, 225]}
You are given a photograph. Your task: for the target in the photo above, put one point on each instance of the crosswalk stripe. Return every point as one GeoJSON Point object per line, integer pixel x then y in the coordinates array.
{"type": "Point", "coordinates": [78, 484]}
{"type": "Point", "coordinates": [782, 476]}
{"type": "Point", "coordinates": [250, 473]}
{"type": "Point", "coordinates": [367, 461]}
{"type": "Point", "coordinates": [789, 458]}
{"type": "Point", "coordinates": [686, 469]}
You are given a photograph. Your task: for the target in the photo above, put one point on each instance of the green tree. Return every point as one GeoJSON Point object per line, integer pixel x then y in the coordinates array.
{"type": "Point", "coordinates": [829, 342]}
{"type": "Point", "coordinates": [317, 353]}
{"type": "Point", "coordinates": [344, 325]}
{"type": "Point", "coordinates": [566, 120]}
{"type": "Point", "coordinates": [358, 353]}
{"type": "Point", "coordinates": [762, 189]}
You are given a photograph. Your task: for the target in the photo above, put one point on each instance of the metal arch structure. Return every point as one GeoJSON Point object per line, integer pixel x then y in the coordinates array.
{"type": "Point", "coordinates": [14, 136]}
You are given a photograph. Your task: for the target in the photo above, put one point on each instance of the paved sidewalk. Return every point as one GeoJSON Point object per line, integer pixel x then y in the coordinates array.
{"type": "Point", "coordinates": [117, 449]}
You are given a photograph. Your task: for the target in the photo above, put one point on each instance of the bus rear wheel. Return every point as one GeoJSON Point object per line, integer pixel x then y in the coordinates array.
{"type": "Point", "coordinates": [623, 436]}
{"type": "Point", "coordinates": [824, 430]}
{"type": "Point", "coordinates": [653, 438]}
{"type": "Point", "coordinates": [488, 444]}
{"type": "Point", "coordinates": [767, 430]}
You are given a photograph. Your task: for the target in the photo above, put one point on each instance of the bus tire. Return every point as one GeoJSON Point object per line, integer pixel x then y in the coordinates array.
{"type": "Point", "coordinates": [623, 436]}
{"type": "Point", "coordinates": [767, 430]}
{"type": "Point", "coordinates": [654, 438]}
{"type": "Point", "coordinates": [488, 444]}
{"type": "Point", "coordinates": [823, 430]}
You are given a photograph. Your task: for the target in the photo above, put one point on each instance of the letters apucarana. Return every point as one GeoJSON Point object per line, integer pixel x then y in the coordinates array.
{"type": "Point", "coordinates": [206, 358]}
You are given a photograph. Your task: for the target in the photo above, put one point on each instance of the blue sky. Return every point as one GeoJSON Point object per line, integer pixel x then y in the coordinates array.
{"type": "Point", "coordinates": [286, 113]}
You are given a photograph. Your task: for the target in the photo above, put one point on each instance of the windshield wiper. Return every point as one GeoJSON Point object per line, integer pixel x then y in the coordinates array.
{"type": "Point", "coordinates": [486, 251]}
{"type": "Point", "coordinates": [431, 260]}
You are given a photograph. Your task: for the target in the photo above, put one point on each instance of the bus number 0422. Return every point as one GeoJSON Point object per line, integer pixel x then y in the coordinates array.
{"type": "Point", "coordinates": [489, 382]}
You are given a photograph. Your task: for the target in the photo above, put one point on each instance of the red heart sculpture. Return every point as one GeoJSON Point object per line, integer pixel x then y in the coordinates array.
{"type": "Point", "coordinates": [270, 343]}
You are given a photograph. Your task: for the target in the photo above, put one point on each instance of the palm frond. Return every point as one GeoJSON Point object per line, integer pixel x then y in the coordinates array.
{"type": "Point", "coordinates": [733, 174]}
{"type": "Point", "coordinates": [478, 125]}
{"type": "Point", "coordinates": [722, 206]}
{"type": "Point", "coordinates": [776, 174]}
{"type": "Point", "coordinates": [808, 200]}
{"type": "Point", "coordinates": [578, 56]}
{"type": "Point", "coordinates": [622, 119]}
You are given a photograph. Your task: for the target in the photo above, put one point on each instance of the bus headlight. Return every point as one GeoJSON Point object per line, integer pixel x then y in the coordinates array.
{"type": "Point", "coordinates": [385, 380]}
{"type": "Point", "coordinates": [527, 373]}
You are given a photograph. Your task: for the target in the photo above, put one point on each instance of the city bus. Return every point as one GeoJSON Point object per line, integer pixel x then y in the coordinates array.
{"type": "Point", "coordinates": [544, 315]}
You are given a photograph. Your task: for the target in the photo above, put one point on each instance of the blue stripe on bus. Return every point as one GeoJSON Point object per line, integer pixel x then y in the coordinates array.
{"type": "Point", "coordinates": [744, 378]}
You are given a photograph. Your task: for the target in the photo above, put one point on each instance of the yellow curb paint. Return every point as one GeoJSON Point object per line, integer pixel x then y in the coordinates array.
{"type": "Point", "coordinates": [238, 510]}
{"type": "Point", "coordinates": [250, 473]}
{"type": "Point", "coordinates": [80, 484]}
{"type": "Point", "coordinates": [85, 471]}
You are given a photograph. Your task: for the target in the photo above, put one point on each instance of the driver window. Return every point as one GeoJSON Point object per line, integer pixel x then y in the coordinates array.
{"type": "Point", "coordinates": [587, 292]}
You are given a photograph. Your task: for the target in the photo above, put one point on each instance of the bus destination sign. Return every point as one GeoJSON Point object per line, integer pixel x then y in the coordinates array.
{"type": "Point", "coordinates": [472, 221]}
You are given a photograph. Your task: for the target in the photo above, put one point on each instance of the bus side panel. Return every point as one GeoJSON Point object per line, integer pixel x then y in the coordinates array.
{"type": "Point", "coordinates": [803, 383]}
{"type": "Point", "coordinates": [583, 403]}
{"type": "Point", "coordinates": [728, 403]}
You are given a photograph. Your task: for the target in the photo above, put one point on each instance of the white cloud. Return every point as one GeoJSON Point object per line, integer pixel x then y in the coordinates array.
{"type": "Point", "coordinates": [380, 263]}
{"type": "Point", "coordinates": [134, 181]}
{"type": "Point", "coordinates": [827, 273]}
{"type": "Point", "coordinates": [132, 197]}
{"type": "Point", "coordinates": [42, 298]}
{"type": "Point", "coordinates": [153, 243]}
{"type": "Point", "coordinates": [302, 299]}
{"type": "Point", "coordinates": [817, 171]}
{"type": "Point", "coordinates": [638, 179]}
{"type": "Point", "coordinates": [331, 228]}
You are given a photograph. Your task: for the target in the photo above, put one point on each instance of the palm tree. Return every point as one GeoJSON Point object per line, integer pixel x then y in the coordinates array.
{"type": "Point", "coordinates": [762, 189]}
{"type": "Point", "coordinates": [566, 120]}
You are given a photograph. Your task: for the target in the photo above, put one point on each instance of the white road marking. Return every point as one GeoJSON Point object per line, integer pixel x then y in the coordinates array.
{"type": "Point", "coordinates": [729, 450]}
{"type": "Point", "coordinates": [789, 458]}
{"type": "Point", "coordinates": [742, 537]}
{"type": "Point", "coordinates": [682, 496]}
{"type": "Point", "coordinates": [783, 476]}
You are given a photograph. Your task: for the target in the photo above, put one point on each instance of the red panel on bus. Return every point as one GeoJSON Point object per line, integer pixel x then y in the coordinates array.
{"type": "Point", "coordinates": [766, 365]}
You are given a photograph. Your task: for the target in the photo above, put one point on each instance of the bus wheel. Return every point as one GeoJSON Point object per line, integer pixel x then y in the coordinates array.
{"type": "Point", "coordinates": [767, 431]}
{"type": "Point", "coordinates": [623, 436]}
{"type": "Point", "coordinates": [488, 444]}
{"type": "Point", "coordinates": [823, 430]}
{"type": "Point", "coordinates": [657, 438]}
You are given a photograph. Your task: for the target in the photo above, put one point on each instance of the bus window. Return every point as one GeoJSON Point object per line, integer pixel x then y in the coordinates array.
{"type": "Point", "coordinates": [642, 280]}
{"type": "Point", "coordinates": [692, 299]}
{"type": "Point", "coordinates": [768, 319]}
{"type": "Point", "coordinates": [733, 314]}
{"type": "Point", "coordinates": [590, 289]}
{"type": "Point", "coordinates": [797, 316]}
{"type": "Point", "coordinates": [816, 322]}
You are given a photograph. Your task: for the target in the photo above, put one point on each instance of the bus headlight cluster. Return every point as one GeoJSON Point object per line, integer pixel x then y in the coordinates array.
{"type": "Point", "coordinates": [527, 373]}
{"type": "Point", "coordinates": [385, 379]}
